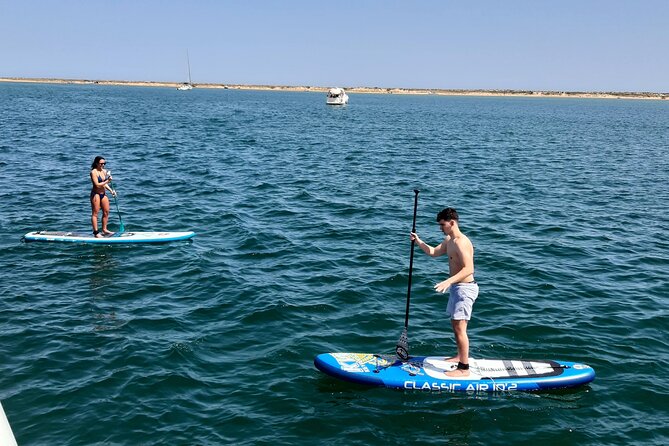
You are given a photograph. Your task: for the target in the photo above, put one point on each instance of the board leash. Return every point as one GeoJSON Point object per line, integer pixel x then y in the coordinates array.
{"type": "Point", "coordinates": [507, 369]}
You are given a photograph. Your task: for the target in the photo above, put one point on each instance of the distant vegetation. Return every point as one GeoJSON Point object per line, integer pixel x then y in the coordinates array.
{"type": "Point", "coordinates": [378, 90]}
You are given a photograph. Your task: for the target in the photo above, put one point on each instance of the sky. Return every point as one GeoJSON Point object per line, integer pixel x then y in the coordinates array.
{"type": "Point", "coordinates": [558, 45]}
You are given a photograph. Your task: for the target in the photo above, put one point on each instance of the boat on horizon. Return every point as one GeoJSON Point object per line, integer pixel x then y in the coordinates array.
{"type": "Point", "coordinates": [337, 96]}
{"type": "Point", "coordinates": [186, 85]}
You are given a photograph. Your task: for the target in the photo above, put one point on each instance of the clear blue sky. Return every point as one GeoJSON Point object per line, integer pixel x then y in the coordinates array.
{"type": "Point", "coordinates": [594, 45]}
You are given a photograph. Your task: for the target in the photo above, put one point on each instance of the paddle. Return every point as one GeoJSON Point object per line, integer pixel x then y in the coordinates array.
{"type": "Point", "coordinates": [121, 230]}
{"type": "Point", "coordinates": [402, 348]}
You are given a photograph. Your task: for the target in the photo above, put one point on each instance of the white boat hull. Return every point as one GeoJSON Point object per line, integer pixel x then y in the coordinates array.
{"type": "Point", "coordinates": [336, 96]}
{"type": "Point", "coordinates": [340, 100]}
{"type": "Point", "coordinates": [6, 434]}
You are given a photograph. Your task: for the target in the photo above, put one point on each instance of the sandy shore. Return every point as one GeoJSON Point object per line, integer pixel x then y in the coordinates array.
{"type": "Point", "coordinates": [361, 90]}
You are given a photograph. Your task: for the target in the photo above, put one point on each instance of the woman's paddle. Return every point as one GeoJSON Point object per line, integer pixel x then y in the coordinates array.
{"type": "Point", "coordinates": [122, 228]}
{"type": "Point", "coordinates": [402, 348]}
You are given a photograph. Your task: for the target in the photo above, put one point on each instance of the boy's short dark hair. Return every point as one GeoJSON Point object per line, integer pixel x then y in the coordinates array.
{"type": "Point", "coordinates": [448, 214]}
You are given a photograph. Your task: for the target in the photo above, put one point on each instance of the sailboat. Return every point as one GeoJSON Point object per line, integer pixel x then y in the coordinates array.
{"type": "Point", "coordinates": [186, 85]}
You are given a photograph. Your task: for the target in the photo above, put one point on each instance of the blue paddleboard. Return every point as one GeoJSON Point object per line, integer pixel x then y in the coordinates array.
{"type": "Point", "coordinates": [117, 238]}
{"type": "Point", "coordinates": [429, 373]}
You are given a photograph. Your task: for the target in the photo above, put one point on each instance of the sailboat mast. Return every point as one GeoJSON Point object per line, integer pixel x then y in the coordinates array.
{"type": "Point", "coordinates": [188, 62]}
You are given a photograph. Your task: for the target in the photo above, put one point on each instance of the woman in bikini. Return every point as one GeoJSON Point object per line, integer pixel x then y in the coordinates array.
{"type": "Point", "coordinates": [100, 178]}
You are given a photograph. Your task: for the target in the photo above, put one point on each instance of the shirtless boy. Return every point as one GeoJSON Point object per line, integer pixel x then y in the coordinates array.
{"type": "Point", "coordinates": [460, 283]}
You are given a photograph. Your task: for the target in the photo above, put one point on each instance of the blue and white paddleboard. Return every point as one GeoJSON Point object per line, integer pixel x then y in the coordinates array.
{"type": "Point", "coordinates": [429, 373]}
{"type": "Point", "coordinates": [119, 237]}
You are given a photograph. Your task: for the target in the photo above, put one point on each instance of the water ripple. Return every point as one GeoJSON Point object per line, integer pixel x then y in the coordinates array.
{"type": "Point", "coordinates": [302, 214]}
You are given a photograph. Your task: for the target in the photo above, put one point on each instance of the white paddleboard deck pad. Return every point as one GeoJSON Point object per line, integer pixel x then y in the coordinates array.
{"type": "Point", "coordinates": [429, 373]}
{"type": "Point", "coordinates": [119, 237]}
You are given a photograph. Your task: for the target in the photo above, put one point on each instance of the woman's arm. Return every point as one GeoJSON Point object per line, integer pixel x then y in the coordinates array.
{"type": "Point", "coordinates": [101, 184]}
{"type": "Point", "coordinates": [108, 179]}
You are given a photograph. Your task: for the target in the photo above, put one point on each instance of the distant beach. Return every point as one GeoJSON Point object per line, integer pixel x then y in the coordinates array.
{"type": "Point", "coordinates": [360, 90]}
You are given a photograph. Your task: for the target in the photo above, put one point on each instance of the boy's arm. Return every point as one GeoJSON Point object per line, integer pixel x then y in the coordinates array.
{"type": "Point", "coordinates": [436, 251]}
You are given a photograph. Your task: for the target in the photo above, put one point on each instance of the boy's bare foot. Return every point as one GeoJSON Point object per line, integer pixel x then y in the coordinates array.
{"type": "Point", "coordinates": [458, 373]}
{"type": "Point", "coordinates": [107, 232]}
{"type": "Point", "coordinates": [98, 235]}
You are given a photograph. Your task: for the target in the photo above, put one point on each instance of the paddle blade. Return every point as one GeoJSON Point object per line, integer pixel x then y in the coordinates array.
{"type": "Point", "coordinates": [121, 229]}
{"type": "Point", "coordinates": [402, 348]}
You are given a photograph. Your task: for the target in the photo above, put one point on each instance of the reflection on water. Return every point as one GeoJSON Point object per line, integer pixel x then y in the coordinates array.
{"type": "Point", "coordinates": [107, 321]}
{"type": "Point", "coordinates": [104, 267]}
{"type": "Point", "coordinates": [102, 274]}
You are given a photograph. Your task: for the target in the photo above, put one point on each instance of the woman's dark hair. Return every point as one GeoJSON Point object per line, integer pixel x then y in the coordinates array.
{"type": "Point", "coordinates": [96, 161]}
{"type": "Point", "coordinates": [448, 214]}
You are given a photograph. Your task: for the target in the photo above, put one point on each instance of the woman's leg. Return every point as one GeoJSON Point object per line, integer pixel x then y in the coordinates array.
{"type": "Point", "coordinates": [95, 210]}
{"type": "Point", "coordinates": [104, 203]}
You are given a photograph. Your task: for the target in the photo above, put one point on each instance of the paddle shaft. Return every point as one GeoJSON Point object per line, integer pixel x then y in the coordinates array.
{"type": "Point", "coordinates": [413, 243]}
{"type": "Point", "coordinates": [122, 228]}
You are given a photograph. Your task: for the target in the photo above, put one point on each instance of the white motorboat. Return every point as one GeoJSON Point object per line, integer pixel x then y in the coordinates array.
{"type": "Point", "coordinates": [337, 96]}
{"type": "Point", "coordinates": [186, 85]}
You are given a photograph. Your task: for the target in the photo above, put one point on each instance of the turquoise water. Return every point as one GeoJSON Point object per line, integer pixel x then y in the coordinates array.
{"type": "Point", "coordinates": [302, 213]}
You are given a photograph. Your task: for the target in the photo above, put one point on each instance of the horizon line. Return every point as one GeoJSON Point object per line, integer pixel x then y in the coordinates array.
{"type": "Point", "coordinates": [357, 89]}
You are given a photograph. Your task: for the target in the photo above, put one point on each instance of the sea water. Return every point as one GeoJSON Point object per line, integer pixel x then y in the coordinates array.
{"type": "Point", "coordinates": [302, 213]}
